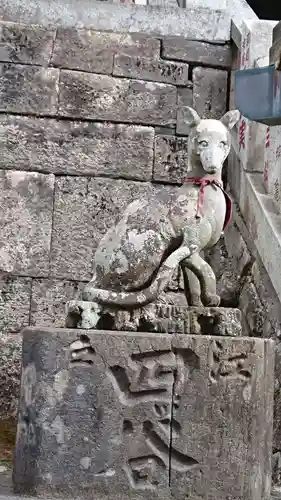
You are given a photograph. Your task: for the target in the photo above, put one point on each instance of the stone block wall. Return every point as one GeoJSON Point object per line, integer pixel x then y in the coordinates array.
{"type": "Point", "coordinates": [89, 121]}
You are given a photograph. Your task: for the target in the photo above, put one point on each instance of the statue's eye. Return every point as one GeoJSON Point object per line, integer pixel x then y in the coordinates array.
{"type": "Point", "coordinates": [204, 144]}
{"type": "Point", "coordinates": [223, 143]}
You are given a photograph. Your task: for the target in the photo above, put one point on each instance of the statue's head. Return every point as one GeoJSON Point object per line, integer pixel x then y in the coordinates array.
{"type": "Point", "coordinates": [210, 140]}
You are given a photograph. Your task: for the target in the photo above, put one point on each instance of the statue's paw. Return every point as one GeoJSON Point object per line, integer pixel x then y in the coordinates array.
{"type": "Point", "coordinates": [87, 293]}
{"type": "Point", "coordinates": [195, 301]}
{"type": "Point", "coordinates": [210, 300]}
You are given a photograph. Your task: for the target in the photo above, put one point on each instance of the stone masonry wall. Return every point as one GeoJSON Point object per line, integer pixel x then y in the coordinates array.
{"type": "Point", "coordinates": [89, 121]}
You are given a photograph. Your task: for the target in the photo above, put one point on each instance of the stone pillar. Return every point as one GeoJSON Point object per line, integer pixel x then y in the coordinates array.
{"type": "Point", "coordinates": [252, 136]}
{"type": "Point", "coordinates": [273, 149]}
{"type": "Point", "coordinates": [118, 415]}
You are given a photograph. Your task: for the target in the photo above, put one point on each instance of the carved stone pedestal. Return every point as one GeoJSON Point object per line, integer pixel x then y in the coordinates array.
{"type": "Point", "coordinates": [133, 416]}
{"type": "Point", "coordinates": [158, 318]}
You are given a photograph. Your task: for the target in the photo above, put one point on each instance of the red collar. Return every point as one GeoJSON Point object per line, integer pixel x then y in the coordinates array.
{"type": "Point", "coordinates": [203, 182]}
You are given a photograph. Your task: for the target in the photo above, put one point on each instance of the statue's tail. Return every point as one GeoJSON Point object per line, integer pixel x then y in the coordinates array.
{"type": "Point", "coordinates": [141, 298]}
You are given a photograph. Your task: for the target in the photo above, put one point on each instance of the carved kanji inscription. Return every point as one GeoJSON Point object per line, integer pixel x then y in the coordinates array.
{"type": "Point", "coordinates": [156, 378]}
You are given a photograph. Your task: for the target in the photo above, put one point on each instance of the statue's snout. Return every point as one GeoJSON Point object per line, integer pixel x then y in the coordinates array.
{"type": "Point", "coordinates": [212, 159]}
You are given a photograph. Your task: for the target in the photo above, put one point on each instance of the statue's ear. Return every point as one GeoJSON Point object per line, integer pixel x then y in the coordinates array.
{"type": "Point", "coordinates": [191, 117]}
{"type": "Point", "coordinates": [230, 118]}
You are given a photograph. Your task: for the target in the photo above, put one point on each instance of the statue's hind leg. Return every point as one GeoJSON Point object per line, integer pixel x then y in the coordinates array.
{"type": "Point", "coordinates": [192, 287]}
{"type": "Point", "coordinates": [207, 280]}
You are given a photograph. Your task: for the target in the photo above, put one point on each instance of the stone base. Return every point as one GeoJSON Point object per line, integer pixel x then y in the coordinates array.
{"type": "Point", "coordinates": [134, 416]}
{"type": "Point", "coordinates": [158, 318]}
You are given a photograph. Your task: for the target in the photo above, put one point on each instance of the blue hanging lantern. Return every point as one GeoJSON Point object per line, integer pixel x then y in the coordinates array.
{"type": "Point", "coordinates": [258, 94]}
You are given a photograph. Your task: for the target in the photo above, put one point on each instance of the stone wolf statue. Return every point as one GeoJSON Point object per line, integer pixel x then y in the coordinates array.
{"type": "Point", "coordinates": [137, 257]}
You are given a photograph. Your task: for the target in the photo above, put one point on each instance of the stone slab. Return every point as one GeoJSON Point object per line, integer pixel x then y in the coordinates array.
{"type": "Point", "coordinates": [49, 298]}
{"type": "Point", "coordinates": [276, 33]}
{"type": "Point", "coordinates": [196, 23]}
{"type": "Point", "coordinates": [10, 366]}
{"type": "Point", "coordinates": [170, 158]}
{"type": "Point", "coordinates": [155, 70]}
{"type": "Point", "coordinates": [210, 92]}
{"type": "Point", "coordinates": [84, 209]}
{"type": "Point", "coordinates": [102, 97]}
{"type": "Point", "coordinates": [28, 89]}
{"type": "Point", "coordinates": [160, 318]}
{"type": "Point", "coordinates": [26, 200]}
{"type": "Point", "coordinates": [185, 99]}
{"type": "Point", "coordinates": [195, 52]}
{"type": "Point", "coordinates": [26, 44]}
{"type": "Point", "coordinates": [15, 295]}
{"type": "Point", "coordinates": [258, 210]}
{"type": "Point", "coordinates": [94, 51]}
{"type": "Point", "coordinates": [275, 54]}
{"type": "Point", "coordinates": [76, 148]}
{"type": "Point", "coordinates": [118, 415]}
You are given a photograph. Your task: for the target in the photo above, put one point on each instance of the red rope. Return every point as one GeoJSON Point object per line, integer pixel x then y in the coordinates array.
{"type": "Point", "coordinates": [202, 183]}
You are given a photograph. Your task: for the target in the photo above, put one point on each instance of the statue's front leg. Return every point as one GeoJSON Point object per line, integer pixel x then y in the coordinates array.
{"type": "Point", "coordinates": [192, 287]}
{"type": "Point", "coordinates": [207, 281]}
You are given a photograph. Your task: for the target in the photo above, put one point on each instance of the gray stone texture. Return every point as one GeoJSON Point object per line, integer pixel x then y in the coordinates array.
{"type": "Point", "coordinates": [26, 44]}
{"type": "Point", "coordinates": [184, 100]}
{"type": "Point", "coordinates": [28, 89]}
{"type": "Point", "coordinates": [159, 318]}
{"type": "Point", "coordinates": [276, 33]}
{"type": "Point", "coordinates": [170, 158]}
{"type": "Point", "coordinates": [93, 51]}
{"type": "Point", "coordinates": [14, 303]}
{"type": "Point", "coordinates": [76, 148]}
{"type": "Point", "coordinates": [49, 298]}
{"type": "Point", "coordinates": [26, 201]}
{"type": "Point", "coordinates": [155, 70]}
{"type": "Point", "coordinates": [117, 415]}
{"type": "Point", "coordinates": [248, 286]}
{"type": "Point", "coordinates": [210, 92]}
{"type": "Point", "coordinates": [102, 97]}
{"type": "Point", "coordinates": [84, 210]}
{"type": "Point", "coordinates": [194, 52]}
{"type": "Point", "coordinates": [196, 22]}
{"type": "Point", "coordinates": [10, 366]}
{"type": "Point", "coordinates": [275, 54]}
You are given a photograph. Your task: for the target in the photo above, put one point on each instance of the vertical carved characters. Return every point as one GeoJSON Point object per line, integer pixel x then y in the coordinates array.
{"type": "Point", "coordinates": [154, 381]}
{"type": "Point", "coordinates": [226, 365]}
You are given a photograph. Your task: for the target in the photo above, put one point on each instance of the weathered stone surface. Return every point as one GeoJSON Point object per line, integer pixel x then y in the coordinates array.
{"type": "Point", "coordinates": [102, 97]}
{"type": "Point", "coordinates": [116, 415]}
{"type": "Point", "coordinates": [14, 303]}
{"type": "Point", "coordinates": [239, 383]}
{"type": "Point", "coordinates": [49, 298]}
{"type": "Point", "coordinates": [84, 210]}
{"type": "Point", "coordinates": [26, 200]}
{"type": "Point", "coordinates": [24, 44]}
{"type": "Point", "coordinates": [276, 33]}
{"type": "Point", "coordinates": [170, 158]}
{"type": "Point", "coordinates": [196, 22]}
{"type": "Point", "coordinates": [209, 92]}
{"type": "Point", "coordinates": [275, 54]}
{"type": "Point", "coordinates": [10, 366]}
{"type": "Point", "coordinates": [215, 321]}
{"type": "Point", "coordinates": [185, 99]}
{"type": "Point", "coordinates": [155, 70]}
{"type": "Point", "coordinates": [93, 51]}
{"type": "Point", "coordinates": [234, 174]}
{"type": "Point", "coordinates": [194, 52]}
{"type": "Point", "coordinates": [237, 248]}
{"type": "Point", "coordinates": [76, 148]}
{"type": "Point", "coordinates": [28, 89]}
{"type": "Point", "coordinates": [160, 318]}
{"type": "Point", "coordinates": [253, 310]}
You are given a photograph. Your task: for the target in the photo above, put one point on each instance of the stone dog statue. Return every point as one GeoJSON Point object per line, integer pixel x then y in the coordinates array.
{"type": "Point", "coordinates": [137, 257]}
